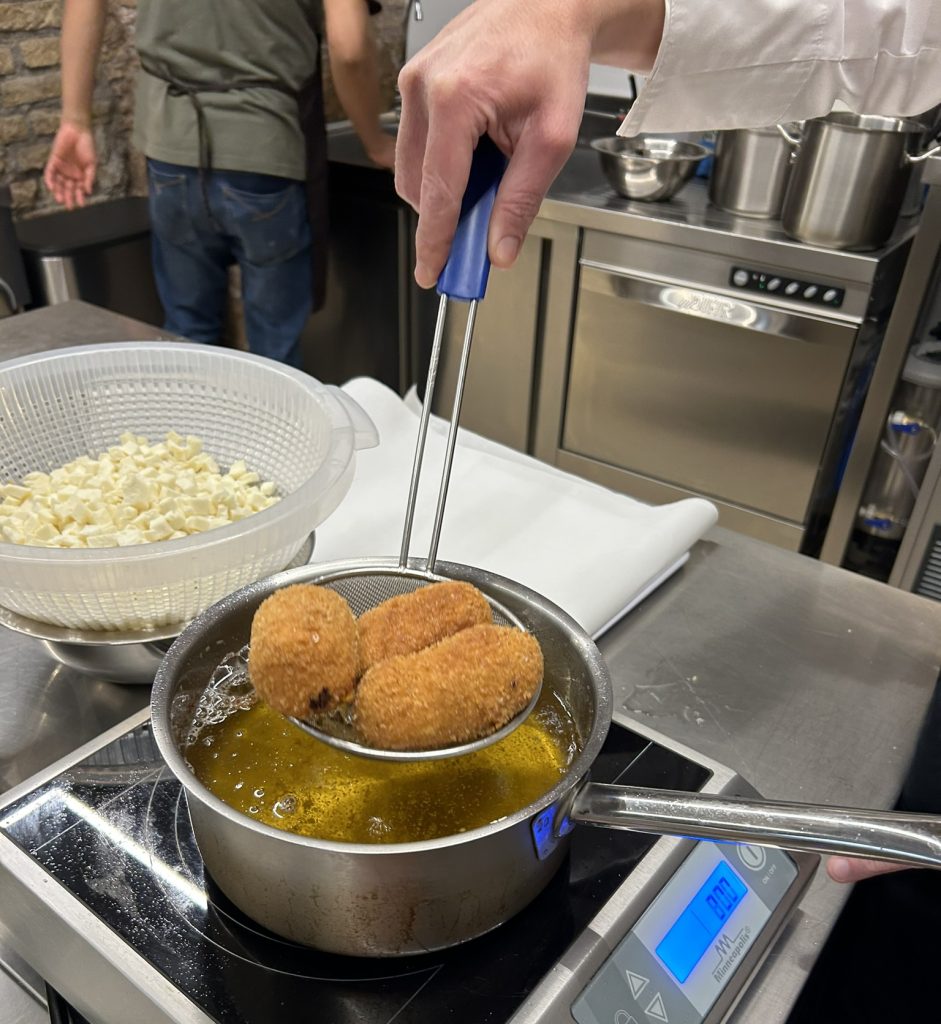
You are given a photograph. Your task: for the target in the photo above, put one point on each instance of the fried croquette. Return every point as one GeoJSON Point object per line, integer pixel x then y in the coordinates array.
{"type": "Point", "coordinates": [304, 653]}
{"type": "Point", "coordinates": [411, 622]}
{"type": "Point", "coordinates": [461, 689]}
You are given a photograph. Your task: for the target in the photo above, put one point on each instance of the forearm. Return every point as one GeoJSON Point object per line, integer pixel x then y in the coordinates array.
{"type": "Point", "coordinates": [625, 33]}
{"type": "Point", "coordinates": [82, 28]}
{"type": "Point", "coordinates": [357, 87]}
{"type": "Point", "coordinates": [354, 66]}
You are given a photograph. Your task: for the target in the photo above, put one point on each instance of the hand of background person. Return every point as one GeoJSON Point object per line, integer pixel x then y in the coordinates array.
{"type": "Point", "coordinates": [70, 169]}
{"type": "Point", "coordinates": [853, 869]}
{"type": "Point", "coordinates": [382, 151]}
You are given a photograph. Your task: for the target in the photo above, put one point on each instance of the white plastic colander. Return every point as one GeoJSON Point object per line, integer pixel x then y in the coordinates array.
{"type": "Point", "coordinates": [288, 427]}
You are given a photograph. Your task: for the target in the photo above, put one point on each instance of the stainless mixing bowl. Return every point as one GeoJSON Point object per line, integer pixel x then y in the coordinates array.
{"type": "Point", "coordinates": [648, 168]}
{"type": "Point", "coordinates": [131, 657]}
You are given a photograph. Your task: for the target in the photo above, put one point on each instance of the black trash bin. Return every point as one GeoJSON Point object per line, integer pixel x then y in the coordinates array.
{"type": "Point", "coordinates": [14, 291]}
{"type": "Point", "coordinates": [99, 253]}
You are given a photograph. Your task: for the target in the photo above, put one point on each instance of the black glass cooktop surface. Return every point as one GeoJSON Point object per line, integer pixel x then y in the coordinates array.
{"type": "Point", "coordinates": [115, 832]}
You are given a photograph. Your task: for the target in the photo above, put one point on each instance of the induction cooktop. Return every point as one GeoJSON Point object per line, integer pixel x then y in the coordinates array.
{"type": "Point", "coordinates": [98, 861]}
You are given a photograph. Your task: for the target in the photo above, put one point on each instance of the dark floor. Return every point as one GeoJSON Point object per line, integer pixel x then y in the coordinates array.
{"type": "Point", "coordinates": [882, 963]}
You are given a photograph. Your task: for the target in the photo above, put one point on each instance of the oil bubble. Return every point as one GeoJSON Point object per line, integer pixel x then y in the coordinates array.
{"type": "Point", "coordinates": [286, 806]}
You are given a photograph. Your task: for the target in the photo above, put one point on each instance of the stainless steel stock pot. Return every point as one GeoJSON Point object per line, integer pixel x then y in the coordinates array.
{"type": "Point", "coordinates": [850, 178]}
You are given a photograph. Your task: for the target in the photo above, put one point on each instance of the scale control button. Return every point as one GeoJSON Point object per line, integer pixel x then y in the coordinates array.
{"type": "Point", "coordinates": [753, 857]}
{"type": "Point", "coordinates": [637, 982]}
{"type": "Point", "coordinates": [656, 1010]}
{"type": "Point", "coordinates": [830, 294]}
{"type": "Point", "coordinates": [810, 291]}
{"type": "Point", "coordinates": [774, 284]}
{"type": "Point", "coordinates": [740, 278]}
{"type": "Point", "coordinates": [792, 287]}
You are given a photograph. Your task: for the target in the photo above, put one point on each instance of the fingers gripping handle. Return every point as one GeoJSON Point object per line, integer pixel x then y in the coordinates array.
{"type": "Point", "coordinates": [465, 274]}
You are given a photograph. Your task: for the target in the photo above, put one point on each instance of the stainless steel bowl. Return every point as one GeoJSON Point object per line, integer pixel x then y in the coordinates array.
{"type": "Point", "coordinates": [119, 657]}
{"type": "Point", "coordinates": [647, 168]}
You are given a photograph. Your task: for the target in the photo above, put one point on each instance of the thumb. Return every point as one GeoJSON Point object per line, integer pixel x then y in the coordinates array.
{"type": "Point", "coordinates": [537, 159]}
{"type": "Point", "coordinates": [853, 869]}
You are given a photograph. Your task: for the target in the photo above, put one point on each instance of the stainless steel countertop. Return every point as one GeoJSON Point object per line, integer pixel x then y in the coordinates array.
{"type": "Point", "coordinates": [69, 323]}
{"type": "Point", "coordinates": [808, 680]}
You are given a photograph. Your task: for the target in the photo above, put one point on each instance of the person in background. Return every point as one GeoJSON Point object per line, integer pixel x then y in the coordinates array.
{"type": "Point", "coordinates": [518, 71]}
{"type": "Point", "coordinates": [229, 113]}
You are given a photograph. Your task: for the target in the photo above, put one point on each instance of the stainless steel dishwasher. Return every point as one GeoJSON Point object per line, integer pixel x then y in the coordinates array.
{"type": "Point", "coordinates": [692, 374]}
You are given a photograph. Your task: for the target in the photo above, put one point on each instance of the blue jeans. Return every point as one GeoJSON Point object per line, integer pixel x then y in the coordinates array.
{"type": "Point", "coordinates": [256, 220]}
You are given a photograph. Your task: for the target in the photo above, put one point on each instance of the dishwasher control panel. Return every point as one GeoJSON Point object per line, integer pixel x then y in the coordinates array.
{"type": "Point", "coordinates": [786, 287]}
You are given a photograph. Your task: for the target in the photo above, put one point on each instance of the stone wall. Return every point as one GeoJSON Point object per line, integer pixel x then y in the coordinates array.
{"type": "Point", "coordinates": [30, 90]}
{"type": "Point", "coordinates": [30, 96]}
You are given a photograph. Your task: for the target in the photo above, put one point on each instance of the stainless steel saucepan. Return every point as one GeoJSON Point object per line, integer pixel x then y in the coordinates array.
{"type": "Point", "coordinates": [395, 899]}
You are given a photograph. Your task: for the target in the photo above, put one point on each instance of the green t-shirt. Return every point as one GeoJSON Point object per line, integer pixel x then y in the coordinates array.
{"type": "Point", "coordinates": [220, 42]}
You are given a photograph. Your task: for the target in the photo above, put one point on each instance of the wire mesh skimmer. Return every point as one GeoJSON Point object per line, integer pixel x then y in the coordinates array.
{"type": "Point", "coordinates": [366, 585]}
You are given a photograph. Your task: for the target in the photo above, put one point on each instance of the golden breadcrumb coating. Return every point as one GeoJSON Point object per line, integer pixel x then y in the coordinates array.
{"type": "Point", "coordinates": [304, 654]}
{"type": "Point", "coordinates": [411, 622]}
{"type": "Point", "coordinates": [461, 689]}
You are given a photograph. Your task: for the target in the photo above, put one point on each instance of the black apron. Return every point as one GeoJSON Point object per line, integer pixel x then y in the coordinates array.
{"type": "Point", "coordinates": [310, 108]}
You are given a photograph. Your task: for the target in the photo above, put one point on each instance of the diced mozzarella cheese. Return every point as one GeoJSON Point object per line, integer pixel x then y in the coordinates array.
{"type": "Point", "coordinates": [134, 493]}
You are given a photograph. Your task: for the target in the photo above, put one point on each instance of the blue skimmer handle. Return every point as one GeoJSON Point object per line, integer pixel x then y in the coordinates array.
{"type": "Point", "coordinates": [465, 274]}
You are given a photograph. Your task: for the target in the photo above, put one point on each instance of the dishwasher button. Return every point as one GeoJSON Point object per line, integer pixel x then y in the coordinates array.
{"type": "Point", "coordinates": [774, 284]}
{"type": "Point", "coordinates": [740, 278]}
{"type": "Point", "coordinates": [791, 288]}
{"type": "Point", "coordinates": [830, 294]}
{"type": "Point", "coordinates": [810, 291]}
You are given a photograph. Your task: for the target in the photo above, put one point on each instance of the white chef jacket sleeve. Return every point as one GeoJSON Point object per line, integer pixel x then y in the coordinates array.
{"type": "Point", "coordinates": [749, 63]}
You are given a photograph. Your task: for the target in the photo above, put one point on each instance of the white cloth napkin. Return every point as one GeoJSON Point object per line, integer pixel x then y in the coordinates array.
{"type": "Point", "coordinates": [592, 551]}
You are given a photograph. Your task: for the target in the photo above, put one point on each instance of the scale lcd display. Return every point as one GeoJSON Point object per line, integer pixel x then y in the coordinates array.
{"type": "Point", "coordinates": [701, 921]}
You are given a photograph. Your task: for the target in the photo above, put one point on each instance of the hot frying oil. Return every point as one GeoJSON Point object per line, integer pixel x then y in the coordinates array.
{"type": "Point", "coordinates": [260, 764]}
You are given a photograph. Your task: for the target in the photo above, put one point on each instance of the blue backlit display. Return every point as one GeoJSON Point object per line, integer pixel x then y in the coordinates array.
{"type": "Point", "coordinates": [684, 944]}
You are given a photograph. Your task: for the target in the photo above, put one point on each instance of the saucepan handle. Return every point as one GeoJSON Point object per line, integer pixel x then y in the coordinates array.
{"type": "Point", "coordinates": [912, 839]}
{"type": "Point", "coordinates": [365, 434]}
{"type": "Point", "coordinates": [793, 140]}
{"type": "Point", "coordinates": [918, 158]}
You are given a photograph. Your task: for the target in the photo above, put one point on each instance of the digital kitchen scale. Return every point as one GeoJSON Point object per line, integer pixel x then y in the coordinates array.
{"type": "Point", "coordinates": [104, 894]}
